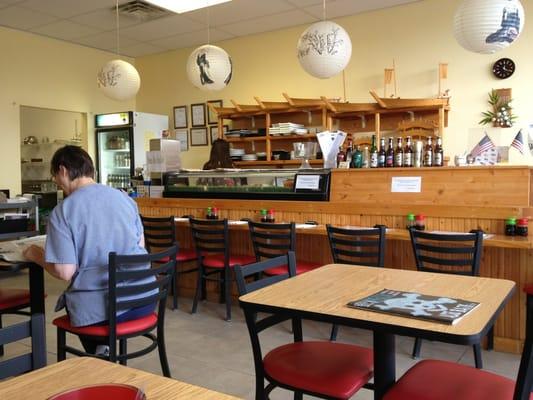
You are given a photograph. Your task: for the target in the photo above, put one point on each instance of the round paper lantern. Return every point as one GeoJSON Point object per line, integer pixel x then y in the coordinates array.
{"type": "Point", "coordinates": [324, 49]}
{"type": "Point", "coordinates": [209, 68]}
{"type": "Point", "coordinates": [487, 26]}
{"type": "Point", "coordinates": [119, 80]}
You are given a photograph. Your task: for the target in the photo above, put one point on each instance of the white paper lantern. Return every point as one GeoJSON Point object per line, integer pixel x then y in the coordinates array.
{"type": "Point", "coordinates": [209, 68]}
{"type": "Point", "coordinates": [487, 26]}
{"type": "Point", "coordinates": [119, 80]}
{"type": "Point", "coordinates": [324, 49]}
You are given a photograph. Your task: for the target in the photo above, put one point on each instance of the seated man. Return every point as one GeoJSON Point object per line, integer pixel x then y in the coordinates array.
{"type": "Point", "coordinates": [91, 222]}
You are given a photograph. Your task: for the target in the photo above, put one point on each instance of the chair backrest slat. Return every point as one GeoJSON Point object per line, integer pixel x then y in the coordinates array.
{"type": "Point", "coordinates": [159, 233]}
{"type": "Point", "coordinates": [210, 236]}
{"type": "Point", "coordinates": [448, 253]}
{"type": "Point", "coordinates": [361, 246]}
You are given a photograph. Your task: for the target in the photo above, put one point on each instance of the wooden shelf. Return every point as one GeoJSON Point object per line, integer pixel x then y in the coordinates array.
{"type": "Point", "coordinates": [293, 137]}
{"type": "Point", "coordinates": [246, 139]}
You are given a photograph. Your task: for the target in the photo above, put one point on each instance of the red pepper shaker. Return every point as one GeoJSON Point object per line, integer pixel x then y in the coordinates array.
{"type": "Point", "coordinates": [420, 222]}
{"type": "Point", "coordinates": [270, 216]}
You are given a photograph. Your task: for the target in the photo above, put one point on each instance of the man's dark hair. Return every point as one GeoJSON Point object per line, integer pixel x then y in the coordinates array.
{"type": "Point", "coordinates": [76, 160]}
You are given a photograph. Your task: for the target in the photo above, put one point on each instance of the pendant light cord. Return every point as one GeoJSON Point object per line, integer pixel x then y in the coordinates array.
{"type": "Point", "coordinates": [118, 38]}
{"type": "Point", "coordinates": [323, 10]}
{"type": "Point", "coordinates": [208, 28]}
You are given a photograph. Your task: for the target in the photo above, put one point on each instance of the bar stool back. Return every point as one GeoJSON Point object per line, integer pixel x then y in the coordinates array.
{"type": "Point", "coordinates": [275, 239]}
{"type": "Point", "coordinates": [212, 245]}
{"type": "Point", "coordinates": [160, 234]}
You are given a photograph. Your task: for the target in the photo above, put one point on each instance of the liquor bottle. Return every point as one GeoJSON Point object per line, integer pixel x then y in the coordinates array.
{"type": "Point", "coordinates": [366, 157]}
{"type": "Point", "coordinates": [373, 153]}
{"type": "Point", "coordinates": [349, 152]}
{"type": "Point", "coordinates": [398, 153]}
{"type": "Point", "coordinates": [341, 156]}
{"type": "Point", "coordinates": [389, 158]}
{"type": "Point", "coordinates": [381, 153]}
{"type": "Point", "coordinates": [438, 154]}
{"type": "Point", "coordinates": [357, 158]}
{"type": "Point", "coordinates": [428, 153]}
{"type": "Point", "coordinates": [408, 153]}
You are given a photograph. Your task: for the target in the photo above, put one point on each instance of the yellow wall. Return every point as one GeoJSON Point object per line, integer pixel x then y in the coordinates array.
{"type": "Point", "coordinates": [417, 36]}
{"type": "Point", "coordinates": [40, 72]}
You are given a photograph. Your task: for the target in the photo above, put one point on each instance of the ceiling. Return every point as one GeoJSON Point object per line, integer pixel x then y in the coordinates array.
{"type": "Point", "coordinates": [92, 23]}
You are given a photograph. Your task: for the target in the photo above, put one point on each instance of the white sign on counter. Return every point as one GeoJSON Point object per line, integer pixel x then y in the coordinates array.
{"type": "Point", "coordinates": [406, 184]}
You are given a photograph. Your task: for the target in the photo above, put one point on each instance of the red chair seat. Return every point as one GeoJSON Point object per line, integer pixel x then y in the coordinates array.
{"type": "Point", "coordinates": [528, 288]}
{"type": "Point", "coordinates": [329, 368]}
{"type": "Point", "coordinates": [443, 380]}
{"type": "Point", "coordinates": [186, 255]}
{"type": "Point", "coordinates": [123, 328]}
{"type": "Point", "coordinates": [217, 261]}
{"type": "Point", "coordinates": [301, 267]}
{"type": "Point", "coordinates": [14, 298]}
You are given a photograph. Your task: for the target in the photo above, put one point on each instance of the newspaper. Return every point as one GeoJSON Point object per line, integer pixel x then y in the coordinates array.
{"type": "Point", "coordinates": [12, 251]}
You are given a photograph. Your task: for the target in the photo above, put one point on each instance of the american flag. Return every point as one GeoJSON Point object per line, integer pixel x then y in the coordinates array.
{"type": "Point", "coordinates": [483, 145]}
{"type": "Point", "coordinates": [518, 142]}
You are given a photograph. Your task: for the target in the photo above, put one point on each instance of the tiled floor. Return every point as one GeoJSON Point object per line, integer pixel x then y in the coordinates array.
{"type": "Point", "coordinates": [205, 350]}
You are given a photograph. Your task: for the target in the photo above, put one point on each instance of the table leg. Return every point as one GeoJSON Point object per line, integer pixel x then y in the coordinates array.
{"type": "Point", "coordinates": [384, 363]}
{"type": "Point", "coordinates": [38, 332]}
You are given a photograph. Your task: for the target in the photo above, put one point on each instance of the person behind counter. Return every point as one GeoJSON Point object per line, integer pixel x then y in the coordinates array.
{"type": "Point", "coordinates": [91, 222]}
{"type": "Point", "coordinates": [219, 157]}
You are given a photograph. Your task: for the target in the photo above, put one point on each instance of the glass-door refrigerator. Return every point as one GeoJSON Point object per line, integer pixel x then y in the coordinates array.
{"type": "Point", "coordinates": [122, 140]}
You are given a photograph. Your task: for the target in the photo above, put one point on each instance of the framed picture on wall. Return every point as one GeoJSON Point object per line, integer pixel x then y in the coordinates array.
{"type": "Point", "coordinates": [199, 136]}
{"type": "Point", "coordinates": [180, 117]}
{"type": "Point", "coordinates": [197, 115]}
{"type": "Point", "coordinates": [183, 136]}
{"type": "Point", "coordinates": [211, 115]}
{"type": "Point", "coordinates": [213, 130]}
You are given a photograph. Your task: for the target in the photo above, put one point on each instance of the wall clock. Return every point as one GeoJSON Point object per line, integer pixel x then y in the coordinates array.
{"type": "Point", "coordinates": [503, 68]}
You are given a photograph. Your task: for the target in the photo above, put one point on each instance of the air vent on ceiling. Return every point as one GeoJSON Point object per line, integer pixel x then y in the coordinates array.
{"type": "Point", "coordinates": [141, 10]}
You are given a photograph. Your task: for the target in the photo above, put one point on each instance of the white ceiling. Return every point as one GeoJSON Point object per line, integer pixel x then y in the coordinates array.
{"type": "Point", "coordinates": [92, 23]}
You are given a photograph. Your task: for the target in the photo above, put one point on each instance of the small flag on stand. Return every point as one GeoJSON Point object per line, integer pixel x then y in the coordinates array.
{"type": "Point", "coordinates": [518, 142]}
{"type": "Point", "coordinates": [484, 144]}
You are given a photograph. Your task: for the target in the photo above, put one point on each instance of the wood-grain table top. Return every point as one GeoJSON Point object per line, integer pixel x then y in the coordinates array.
{"type": "Point", "coordinates": [327, 290]}
{"type": "Point", "coordinates": [83, 371]}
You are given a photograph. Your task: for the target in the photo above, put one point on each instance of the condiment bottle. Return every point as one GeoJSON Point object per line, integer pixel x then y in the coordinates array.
{"type": "Point", "coordinates": [270, 216]}
{"type": "Point", "coordinates": [263, 213]}
{"type": "Point", "coordinates": [521, 226]}
{"type": "Point", "coordinates": [410, 221]}
{"type": "Point", "coordinates": [209, 213]}
{"type": "Point", "coordinates": [215, 213]}
{"type": "Point", "coordinates": [510, 226]}
{"type": "Point", "coordinates": [420, 222]}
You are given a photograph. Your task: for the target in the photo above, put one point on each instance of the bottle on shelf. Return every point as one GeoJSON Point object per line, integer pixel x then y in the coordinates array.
{"type": "Point", "coordinates": [341, 157]}
{"type": "Point", "coordinates": [389, 157]}
{"type": "Point", "coordinates": [428, 153]}
{"type": "Point", "coordinates": [398, 153]}
{"type": "Point", "coordinates": [212, 213]}
{"type": "Point", "coordinates": [349, 151]}
{"type": "Point", "coordinates": [366, 157]}
{"type": "Point", "coordinates": [381, 153]}
{"type": "Point", "coordinates": [373, 153]}
{"type": "Point", "coordinates": [438, 154]}
{"type": "Point", "coordinates": [357, 158]}
{"type": "Point", "coordinates": [408, 153]}
{"type": "Point", "coordinates": [419, 153]}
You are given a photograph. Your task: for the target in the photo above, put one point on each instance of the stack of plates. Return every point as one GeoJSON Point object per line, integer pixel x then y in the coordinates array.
{"type": "Point", "coordinates": [236, 152]}
{"type": "Point", "coordinates": [249, 157]}
{"type": "Point", "coordinates": [287, 128]}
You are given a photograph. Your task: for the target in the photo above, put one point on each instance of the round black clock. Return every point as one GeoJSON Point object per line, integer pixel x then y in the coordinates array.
{"type": "Point", "coordinates": [503, 68]}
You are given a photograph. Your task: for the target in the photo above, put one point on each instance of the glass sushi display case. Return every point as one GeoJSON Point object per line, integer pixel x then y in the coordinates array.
{"type": "Point", "coordinates": [259, 184]}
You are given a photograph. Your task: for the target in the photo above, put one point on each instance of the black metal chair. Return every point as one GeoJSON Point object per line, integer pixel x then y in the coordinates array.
{"type": "Point", "coordinates": [454, 253]}
{"type": "Point", "coordinates": [324, 369]}
{"type": "Point", "coordinates": [361, 246]}
{"type": "Point", "coordinates": [274, 239]}
{"type": "Point", "coordinates": [212, 245]}
{"type": "Point", "coordinates": [127, 279]}
{"type": "Point", "coordinates": [159, 234]}
{"type": "Point", "coordinates": [443, 380]}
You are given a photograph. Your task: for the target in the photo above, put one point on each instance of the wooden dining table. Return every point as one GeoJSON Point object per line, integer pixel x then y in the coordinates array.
{"type": "Point", "coordinates": [84, 371]}
{"type": "Point", "coordinates": [323, 294]}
